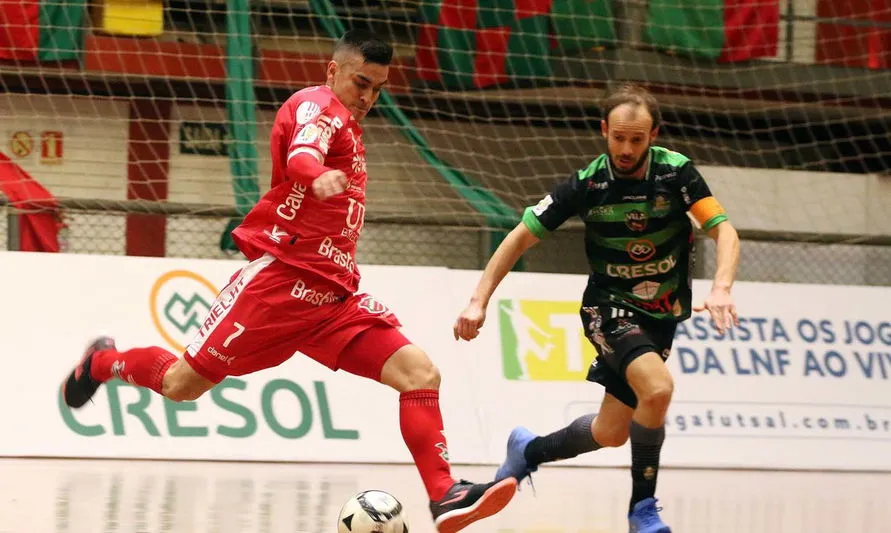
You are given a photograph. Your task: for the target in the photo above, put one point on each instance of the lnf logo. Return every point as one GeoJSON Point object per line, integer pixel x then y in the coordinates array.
{"type": "Point", "coordinates": [543, 341]}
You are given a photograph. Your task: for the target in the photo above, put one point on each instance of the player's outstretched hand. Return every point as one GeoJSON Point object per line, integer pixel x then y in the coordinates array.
{"type": "Point", "coordinates": [470, 321]}
{"type": "Point", "coordinates": [328, 184]}
{"type": "Point", "coordinates": [721, 308]}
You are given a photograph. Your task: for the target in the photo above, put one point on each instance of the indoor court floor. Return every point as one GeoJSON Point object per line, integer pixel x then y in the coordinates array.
{"type": "Point", "coordinates": [105, 496]}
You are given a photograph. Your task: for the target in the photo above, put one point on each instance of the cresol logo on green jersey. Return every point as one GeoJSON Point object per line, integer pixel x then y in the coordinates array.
{"type": "Point", "coordinates": [288, 409]}
{"type": "Point", "coordinates": [543, 341]}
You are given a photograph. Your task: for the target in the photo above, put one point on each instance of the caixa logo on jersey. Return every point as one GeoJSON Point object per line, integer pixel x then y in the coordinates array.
{"type": "Point", "coordinates": [178, 303]}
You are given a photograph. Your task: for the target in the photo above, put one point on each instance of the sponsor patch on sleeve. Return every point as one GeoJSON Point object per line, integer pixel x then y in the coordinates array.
{"type": "Point", "coordinates": [543, 205]}
{"type": "Point", "coordinates": [307, 111]}
{"type": "Point", "coordinates": [308, 135]}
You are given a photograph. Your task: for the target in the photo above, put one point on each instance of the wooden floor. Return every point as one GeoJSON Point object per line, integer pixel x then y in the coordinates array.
{"type": "Point", "coordinates": [75, 496]}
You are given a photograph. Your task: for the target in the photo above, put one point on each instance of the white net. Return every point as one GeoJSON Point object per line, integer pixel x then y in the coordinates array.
{"type": "Point", "coordinates": [148, 122]}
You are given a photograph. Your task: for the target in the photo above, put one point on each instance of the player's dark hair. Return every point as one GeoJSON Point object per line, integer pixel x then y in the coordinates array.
{"type": "Point", "coordinates": [372, 48]}
{"type": "Point", "coordinates": [635, 95]}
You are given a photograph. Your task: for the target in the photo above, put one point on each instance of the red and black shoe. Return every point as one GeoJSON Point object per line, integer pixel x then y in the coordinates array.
{"type": "Point", "coordinates": [80, 385]}
{"type": "Point", "coordinates": [466, 503]}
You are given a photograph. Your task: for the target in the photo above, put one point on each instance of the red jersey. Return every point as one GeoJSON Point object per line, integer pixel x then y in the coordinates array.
{"type": "Point", "coordinates": [289, 222]}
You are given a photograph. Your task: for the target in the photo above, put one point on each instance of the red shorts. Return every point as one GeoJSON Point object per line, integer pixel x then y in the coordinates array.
{"type": "Point", "coordinates": [271, 310]}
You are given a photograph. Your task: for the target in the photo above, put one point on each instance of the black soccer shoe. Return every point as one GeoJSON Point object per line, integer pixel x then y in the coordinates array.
{"type": "Point", "coordinates": [80, 385]}
{"type": "Point", "coordinates": [466, 502]}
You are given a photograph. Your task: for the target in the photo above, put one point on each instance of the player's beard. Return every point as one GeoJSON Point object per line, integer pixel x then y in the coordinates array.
{"type": "Point", "coordinates": [637, 166]}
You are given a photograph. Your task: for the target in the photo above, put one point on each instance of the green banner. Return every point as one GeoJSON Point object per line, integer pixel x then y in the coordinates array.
{"type": "Point", "coordinates": [241, 110]}
{"type": "Point", "coordinates": [61, 29]}
{"type": "Point", "coordinates": [583, 24]}
{"type": "Point", "coordinates": [690, 27]}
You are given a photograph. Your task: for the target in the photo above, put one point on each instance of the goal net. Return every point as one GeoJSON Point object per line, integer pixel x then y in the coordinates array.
{"type": "Point", "coordinates": [143, 127]}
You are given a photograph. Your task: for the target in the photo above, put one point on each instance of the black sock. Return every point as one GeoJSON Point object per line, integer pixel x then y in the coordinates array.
{"type": "Point", "coordinates": [646, 445]}
{"type": "Point", "coordinates": [564, 443]}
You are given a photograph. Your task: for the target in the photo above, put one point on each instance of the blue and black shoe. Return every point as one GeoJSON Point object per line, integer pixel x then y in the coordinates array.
{"type": "Point", "coordinates": [644, 518]}
{"type": "Point", "coordinates": [515, 465]}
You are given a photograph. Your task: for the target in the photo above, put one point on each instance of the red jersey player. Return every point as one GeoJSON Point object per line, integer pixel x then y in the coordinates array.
{"type": "Point", "coordinates": [298, 291]}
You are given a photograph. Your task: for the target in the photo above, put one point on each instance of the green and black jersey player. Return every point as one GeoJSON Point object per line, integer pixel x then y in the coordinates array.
{"type": "Point", "coordinates": [636, 202]}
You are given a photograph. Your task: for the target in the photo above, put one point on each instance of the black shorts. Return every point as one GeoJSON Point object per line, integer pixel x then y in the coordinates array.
{"type": "Point", "coordinates": [621, 336]}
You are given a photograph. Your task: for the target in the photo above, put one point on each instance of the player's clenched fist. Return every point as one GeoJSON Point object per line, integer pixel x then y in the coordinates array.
{"type": "Point", "coordinates": [470, 321]}
{"type": "Point", "coordinates": [330, 183]}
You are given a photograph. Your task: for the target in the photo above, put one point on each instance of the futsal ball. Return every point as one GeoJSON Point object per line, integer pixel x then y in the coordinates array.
{"type": "Point", "coordinates": [372, 511]}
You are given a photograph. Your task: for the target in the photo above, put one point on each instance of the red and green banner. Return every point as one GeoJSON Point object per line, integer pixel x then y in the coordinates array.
{"type": "Point", "coordinates": [41, 30]}
{"type": "Point", "coordinates": [722, 30]}
{"type": "Point", "coordinates": [465, 44]}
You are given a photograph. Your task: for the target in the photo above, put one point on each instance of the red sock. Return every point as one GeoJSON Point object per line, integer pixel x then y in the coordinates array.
{"type": "Point", "coordinates": [421, 423]}
{"type": "Point", "coordinates": [140, 366]}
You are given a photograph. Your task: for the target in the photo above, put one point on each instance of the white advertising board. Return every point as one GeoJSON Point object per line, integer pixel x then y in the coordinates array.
{"type": "Point", "coordinates": [54, 304]}
{"type": "Point", "coordinates": [803, 383]}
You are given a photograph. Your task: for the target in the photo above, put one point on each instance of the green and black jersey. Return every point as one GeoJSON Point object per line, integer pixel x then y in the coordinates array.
{"type": "Point", "coordinates": [638, 237]}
